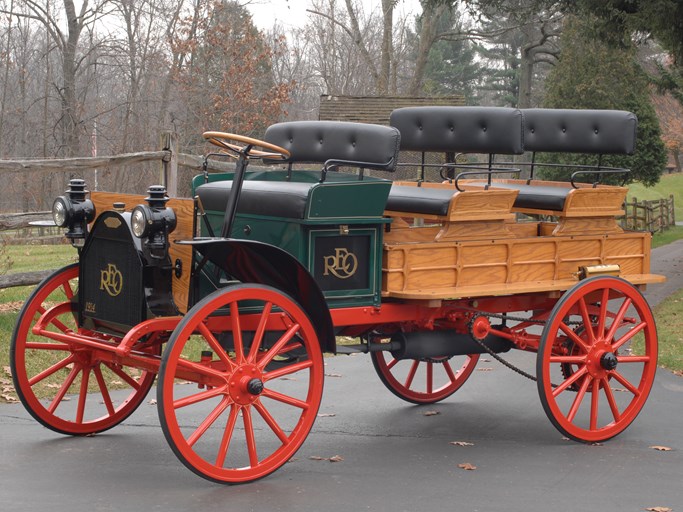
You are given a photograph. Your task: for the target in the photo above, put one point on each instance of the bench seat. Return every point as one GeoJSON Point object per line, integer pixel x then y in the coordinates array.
{"type": "Point", "coordinates": [267, 198]}
{"type": "Point", "coordinates": [420, 200]}
{"type": "Point", "coordinates": [535, 197]}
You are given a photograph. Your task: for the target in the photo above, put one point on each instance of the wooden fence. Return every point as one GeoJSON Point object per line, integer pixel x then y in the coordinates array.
{"type": "Point", "coordinates": [653, 216]}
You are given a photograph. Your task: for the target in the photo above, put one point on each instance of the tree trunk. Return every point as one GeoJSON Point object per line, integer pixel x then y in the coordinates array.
{"type": "Point", "coordinates": [387, 47]}
{"type": "Point", "coordinates": [427, 36]}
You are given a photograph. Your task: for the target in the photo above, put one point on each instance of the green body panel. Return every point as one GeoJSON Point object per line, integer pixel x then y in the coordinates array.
{"type": "Point", "coordinates": [339, 241]}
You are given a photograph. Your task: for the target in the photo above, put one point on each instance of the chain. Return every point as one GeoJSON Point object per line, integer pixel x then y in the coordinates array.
{"type": "Point", "coordinates": [499, 358]}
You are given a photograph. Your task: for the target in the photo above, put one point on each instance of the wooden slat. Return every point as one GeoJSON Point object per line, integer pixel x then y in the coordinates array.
{"type": "Point", "coordinates": [184, 210]}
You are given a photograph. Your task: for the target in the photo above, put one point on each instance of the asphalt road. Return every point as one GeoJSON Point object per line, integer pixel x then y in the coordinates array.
{"type": "Point", "coordinates": [394, 457]}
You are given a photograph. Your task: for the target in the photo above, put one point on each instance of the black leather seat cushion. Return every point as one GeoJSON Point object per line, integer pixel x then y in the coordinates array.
{"type": "Point", "coordinates": [579, 131]}
{"type": "Point", "coordinates": [460, 129]}
{"type": "Point", "coordinates": [427, 201]}
{"type": "Point", "coordinates": [269, 198]}
{"type": "Point", "coordinates": [536, 197]}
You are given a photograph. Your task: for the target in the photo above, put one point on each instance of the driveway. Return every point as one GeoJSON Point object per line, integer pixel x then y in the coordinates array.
{"type": "Point", "coordinates": [395, 458]}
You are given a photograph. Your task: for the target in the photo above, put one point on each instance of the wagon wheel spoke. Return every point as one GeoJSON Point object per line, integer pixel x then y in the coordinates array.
{"type": "Point", "coordinates": [286, 399]}
{"type": "Point", "coordinates": [260, 331]}
{"type": "Point", "coordinates": [83, 395]}
{"type": "Point", "coordinates": [287, 370]}
{"type": "Point", "coordinates": [198, 397]}
{"type": "Point", "coordinates": [587, 325]}
{"type": "Point", "coordinates": [611, 400]}
{"type": "Point", "coordinates": [64, 388]}
{"type": "Point", "coordinates": [628, 336]}
{"type": "Point", "coordinates": [208, 421]}
{"type": "Point", "coordinates": [249, 435]}
{"type": "Point", "coordinates": [48, 346]}
{"type": "Point", "coordinates": [51, 370]}
{"type": "Point", "coordinates": [272, 423]}
{"type": "Point", "coordinates": [579, 398]}
{"type": "Point", "coordinates": [227, 436]}
{"type": "Point", "coordinates": [124, 376]}
{"type": "Point", "coordinates": [237, 333]}
{"type": "Point", "coordinates": [104, 390]}
{"type": "Point", "coordinates": [618, 319]}
{"type": "Point", "coordinates": [279, 345]}
{"type": "Point", "coordinates": [571, 380]}
{"type": "Point", "coordinates": [215, 346]}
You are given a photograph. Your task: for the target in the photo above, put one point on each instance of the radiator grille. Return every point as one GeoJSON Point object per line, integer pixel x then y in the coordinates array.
{"type": "Point", "coordinates": [111, 279]}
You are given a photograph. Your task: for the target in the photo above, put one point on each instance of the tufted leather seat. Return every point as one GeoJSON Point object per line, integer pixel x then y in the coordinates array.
{"type": "Point", "coordinates": [347, 144]}
{"type": "Point", "coordinates": [579, 131]}
{"type": "Point", "coordinates": [365, 145]}
{"type": "Point", "coordinates": [486, 130]}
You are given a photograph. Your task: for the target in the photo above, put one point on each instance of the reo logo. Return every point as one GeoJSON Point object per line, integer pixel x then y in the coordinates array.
{"type": "Point", "coordinates": [111, 280]}
{"type": "Point", "coordinates": [342, 264]}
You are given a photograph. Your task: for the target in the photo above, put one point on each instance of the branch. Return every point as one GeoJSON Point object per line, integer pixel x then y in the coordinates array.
{"type": "Point", "coordinates": [358, 41]}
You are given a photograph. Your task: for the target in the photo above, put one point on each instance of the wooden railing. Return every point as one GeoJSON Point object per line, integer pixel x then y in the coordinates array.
{"type": "Point", "coordinates": [654, 215]}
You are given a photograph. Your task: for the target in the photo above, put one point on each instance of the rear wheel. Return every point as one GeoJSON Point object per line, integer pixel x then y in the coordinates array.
{"type": "Point", "coordinates": [256, 359]}
{"type": "Point", "coordinates": [66, 386]}
{"type": "Point", "coordinates": [423, 382]}
{"type": "Point", "coordinates": [594, 379]}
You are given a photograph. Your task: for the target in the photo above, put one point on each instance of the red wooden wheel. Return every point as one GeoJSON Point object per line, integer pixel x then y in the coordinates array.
{"type": "Point", "coordinates": [600, 382]}
{"type": "Point", "coordinates": [69, 389]}
{"type": "Point", "coordinates": [260, 374]}
{"type": "Point", "coordinates": [423, 382]}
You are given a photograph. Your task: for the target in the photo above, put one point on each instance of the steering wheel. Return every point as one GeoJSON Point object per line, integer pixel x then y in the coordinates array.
{"type": "Point", "coordinates": [221, 139]}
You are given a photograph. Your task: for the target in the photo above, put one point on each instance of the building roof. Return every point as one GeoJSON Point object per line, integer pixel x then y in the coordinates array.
{"type": "Point", "coordinates": [375, 109]}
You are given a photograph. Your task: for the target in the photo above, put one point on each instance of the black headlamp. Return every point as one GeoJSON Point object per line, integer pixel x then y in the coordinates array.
{"type": "Point", "coordinates": [74, 211]}
{"type": "Point", "coordinates": [154, 221]}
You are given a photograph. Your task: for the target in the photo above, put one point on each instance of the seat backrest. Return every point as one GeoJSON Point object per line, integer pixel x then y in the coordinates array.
{"type": "Point", "coordinates": [579, 131]}
{"type": "Point", "coordinates": [363, 145]}
{"type": "Point", "coordinates": [486, 130]}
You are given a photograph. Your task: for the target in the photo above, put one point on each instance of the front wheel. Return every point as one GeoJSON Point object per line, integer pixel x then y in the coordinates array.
{"type": "Point", "coordinates": [597, 359]}
{"type": "Point", "coordinates": [68, 387]}
{"type": "Point", "coordinates": [255, 361]}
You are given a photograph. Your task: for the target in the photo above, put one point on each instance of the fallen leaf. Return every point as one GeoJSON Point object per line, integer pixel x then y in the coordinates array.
{"type": "Point", "coordinates": [620, 390]}
{"type": "Point", "coordinates": [336, 458]}
{"type": "Point", "coordinates": [287, 378]}
{"type": "Point", "coordinates": [467, 466]}
{"type": "Point", "coordinates": [596, 444]}
{"type": "Point", "coordinates": [66, 399]}
{"type": "Point", "coordinates": [153, 401]}
{"type": "Point", "coordinates": [54, 386]}
{"type": "Point", "coordinates": [484, 369]}
{"type": "Point", "coordinates": [316, 457]}
{"type": "Point", "coordinates": [9, 398]}
{"type": "Point", "coordinates": [661, 448]}
{"type": "Point", "coordinates": [430, 413]}
{"type": "Point", "coordinates": [659, 509]}
{"type": "Point", "coordinates": [7, 370]}
{"type": "Point", "coordinates": [461, 443]}
{"type": "Point", "coordinates": [5, 381]}
{"type": "Point", "coordinates": [326, 415]}
{"type": "Point", "coordinates": [115, 382]}
{"type": "Point", "coordinates": [293, 459]}
{"type": "Point", "coordinates": [333, 375]}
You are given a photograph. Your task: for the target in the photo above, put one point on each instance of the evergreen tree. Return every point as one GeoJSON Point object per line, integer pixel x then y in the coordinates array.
{"type": "Point", "coordinates": [452, 67]}
{"type": "Point", "coordinates": [592, 74]}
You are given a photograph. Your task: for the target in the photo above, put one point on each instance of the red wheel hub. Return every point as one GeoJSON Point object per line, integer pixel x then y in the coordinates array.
{"type": "Point", "coordinates": [245, 384]}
